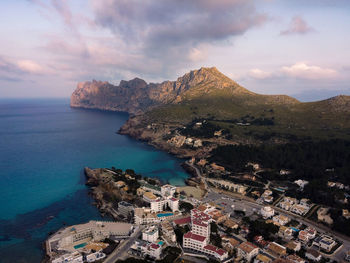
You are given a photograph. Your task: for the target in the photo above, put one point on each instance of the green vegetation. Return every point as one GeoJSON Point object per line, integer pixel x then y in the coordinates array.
{"type": "Point", "coordinates": [260, 228]}
{"type": "Point", "coordinates": [308, 160]}
{"type": "Point", "coordinates": [186, 206]}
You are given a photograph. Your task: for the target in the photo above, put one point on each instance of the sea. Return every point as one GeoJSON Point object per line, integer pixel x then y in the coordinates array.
{"type": "Point", "coordinates": [44, 146]}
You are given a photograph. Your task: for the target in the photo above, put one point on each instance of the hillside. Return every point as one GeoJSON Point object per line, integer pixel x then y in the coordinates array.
{"type": "Point", "coordinates": [165, 110]}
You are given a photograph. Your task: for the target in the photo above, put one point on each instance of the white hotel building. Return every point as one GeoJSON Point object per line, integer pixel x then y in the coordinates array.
{"type": "Point", "coordinates": [198, 238]}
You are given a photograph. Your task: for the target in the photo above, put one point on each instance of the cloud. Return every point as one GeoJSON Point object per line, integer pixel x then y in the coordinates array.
{"type": "Point", "coordinates": [304, 71]}
{"type": "Point", "coordinates": [297, 26]}
{"type": "Point", "coordinates": [259, 74]}
{"type": "Point", "coordinates": [30, 67]}
{"type": "Point", "coordinates": [168, 30]}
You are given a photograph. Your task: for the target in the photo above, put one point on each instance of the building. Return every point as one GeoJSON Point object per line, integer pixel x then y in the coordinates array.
{"type": "Point", "coordinates": [323, 215]}
{"type": "Point", "coordinates": [285, 232]}
{"type": "Point", "coordinates": [152, 250]}
{"type": "Point", "coordinates": [267, 212]}
{"type": "Point", "coordinates": [168, 190]}
{"type": "Point", "coordinates": [325, 243]}
{"type": "Point", "coordinates": [261, 258]}
{"type": "Point", "coordinates": [301, 183]}
{"type": "Point", "coordinates": [313, 255]}
{"type": "Point", "coordinates": [159, 204]}
{"type": "Point", "coordinates": [168, 231]}
{"type": "Point", "coordinates": [300, 209]}
{"type": "Point", "coordinates": [151, 188]}
{"type": "Point", "coordinates": [183, 221]}
{"type": "Point", "coordinates": [281, 219]}
{"type": "Point", "coordinates": [247, 251]}
{"type": "Point", "coordinates": [294, 245]}
{"type": "Point", "coordinates": [303, 236]}
{"type": "Point", "coordinates": [230, 244]}
{"type": "Point", "coordinates": [216, 252]}
{"type": "Point", "coordinates": [198, 238]}
{"type": "Point", "coordinates": [67, 238]}
{"type": "Point", "coordinates": [296, 259]}
{"type": "Point", "coordinates": [150, 234]}
{"type": "Point", "coordinates": [145, 216]}
{"type": "Point", "coordinates": [149, 197]}
{"type": "Point", "coordinates": [125, 208]}
{"type": "Point", "coordinates": [311, 232]}
{"type": "Point", "coordinates": [277, 249]}
{"type": "Point", "coordinates": [285, 205]}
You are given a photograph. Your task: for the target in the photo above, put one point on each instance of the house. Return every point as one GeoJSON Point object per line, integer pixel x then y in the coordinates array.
{"type": "Point", "coordinates": [346, 213]}
{"type": "Point", "coordinates": [311, 232]}
{"type": "Point", "coordinates": [281, 219]}
{"type": "Point", "coordinates": [150, 234]}
{"type": "Point", "coordinates": [168, 231]}
{"type": "Point", "coordinates": [285, 205]}
{"type": "Point", "coordinates": [261, 258]}
{"type": "Point", "coordinates": [285, 232]}
{"type": "Point", "coordinates": [324, 216]}
{"type": "Point", "coordinates": [299, 209]}
{"type": "Point", "coordinates": [303, 236]}
{"type": "Point", "coordinates": [324, 242]}
{"type": "Point", "coordinates": [268, 199]}
{"type": "Point", "coordinates": [267, 212]}
{"type": "Point", "coordinates": [149, 197]}
{"type": "Point", "coordinates": [294, 245]}
{"type": "Point", "coordinates": [277, 249]}
{"type": "Point", "coordinates": [314, 255]}
{"type": "Point", "coordinates": [247, 251]}
{"type": "Point", "coordinates": [301, 183]}
{"type": "Point", "coordinates": [230, 244]}
{"type": "Point", "coordinates": [295, 259]}
{"type": "Point", "coordinates": [153, 250]}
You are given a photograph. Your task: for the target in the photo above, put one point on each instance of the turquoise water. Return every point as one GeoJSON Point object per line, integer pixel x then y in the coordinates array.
{"type": "Point", "coordinates": [160, 243]}
{"type": "Point", "coordinates": [165, 214]}
{"type": "Point", "coordinates": [295, 229]}
{"type": "Point", "coordinates": [44, 145]}
{"type": "Point", "coordinates": [80, 245]}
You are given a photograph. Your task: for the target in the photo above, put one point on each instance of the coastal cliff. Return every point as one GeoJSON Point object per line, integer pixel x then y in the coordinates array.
{"type": "Point", "coordinates": [204, 109]}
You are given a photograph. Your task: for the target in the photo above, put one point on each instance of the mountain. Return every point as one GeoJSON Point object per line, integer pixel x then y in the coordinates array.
{"type": "Point", "coordinates": [136, 96]}
{"type": "Point", "coordinates": [208, 95]}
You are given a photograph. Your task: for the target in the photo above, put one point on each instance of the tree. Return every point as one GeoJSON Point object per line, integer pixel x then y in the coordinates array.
{"type": "Point", "coordinates": [186, 206]}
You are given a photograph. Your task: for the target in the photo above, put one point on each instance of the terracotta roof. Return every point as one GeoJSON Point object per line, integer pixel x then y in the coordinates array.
{"type": "Point", "coordinates": [154, 246]}
{"type": "Point", "coordinates": [314, 253]}
{"type": "Point", "coordinates": [215, 249]}
{"type": "Point", "coordinates": [194, 236]}
{"type": "Point", "coordinates": [182, 221]}
{"type": "Point", "coordinates": [247, 247]}
{"type": "Point", "coordinates": [295, 258]}
{"type": "Point", "coordinates": [277, 248]}
{"type": "Point", "coordinates": [199, 223]}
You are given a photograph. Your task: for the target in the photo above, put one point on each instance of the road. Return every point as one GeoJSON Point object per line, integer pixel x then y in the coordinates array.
{"type": "Point", "coordinates": [121, 251]}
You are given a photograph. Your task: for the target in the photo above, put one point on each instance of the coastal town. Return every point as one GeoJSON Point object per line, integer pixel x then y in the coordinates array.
{"type": "Point", "coordinates": [208, 220]}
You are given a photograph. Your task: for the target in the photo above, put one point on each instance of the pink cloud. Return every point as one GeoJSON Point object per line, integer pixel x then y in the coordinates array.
{"type": "Point", "coordinates": [297, 26]}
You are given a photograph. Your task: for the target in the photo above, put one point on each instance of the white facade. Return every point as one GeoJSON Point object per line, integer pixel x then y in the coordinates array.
{"type": "Point", "coordinates": [160, 204]}
{"type": "Point", "coordinates": [168, 190]}
{"type": "Point", "coordinates": [150, 234]}
{"type": "Point", "coordinates": [267, 212]}
{"type": "Point", "coordinates": [247, 251]}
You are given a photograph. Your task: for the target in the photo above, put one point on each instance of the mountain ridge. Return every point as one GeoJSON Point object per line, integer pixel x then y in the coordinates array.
{"type": "Point", "coordinates": [136, 96]}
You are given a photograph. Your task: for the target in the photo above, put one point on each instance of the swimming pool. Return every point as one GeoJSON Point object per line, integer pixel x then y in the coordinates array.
{"type": "Point", "coordinates": [295, 229]}
{"type": "Point", "coordinates": [165, 214]}
{"type": "Point", "coordinates": [160, 243]}
{"type": "Point", "coordinates": [80, 245]}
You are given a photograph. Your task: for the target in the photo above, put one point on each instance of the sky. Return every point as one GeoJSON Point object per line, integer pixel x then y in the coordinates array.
{"type": "Point", "coordinates": [300, 48]}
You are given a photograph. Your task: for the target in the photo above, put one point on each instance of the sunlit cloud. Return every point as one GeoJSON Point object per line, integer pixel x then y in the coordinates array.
{"type": "Point", "coordinates": [305, 71]}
